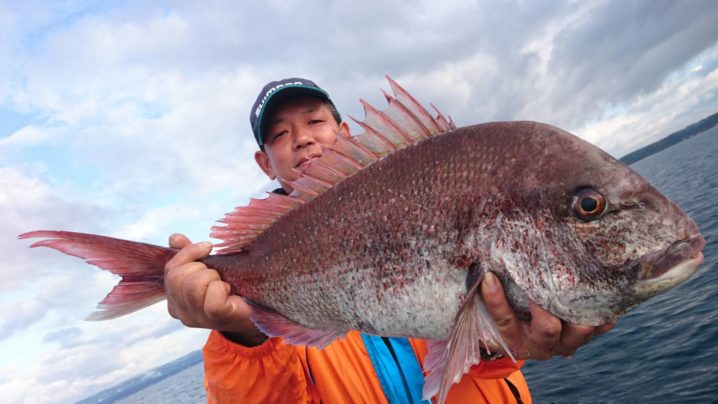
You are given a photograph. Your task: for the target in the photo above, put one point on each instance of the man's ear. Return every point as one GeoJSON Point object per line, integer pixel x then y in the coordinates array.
{"type": "Point", "coordinates": [344, 129]}
{"type": "Point", "coordinates": [263, 162]}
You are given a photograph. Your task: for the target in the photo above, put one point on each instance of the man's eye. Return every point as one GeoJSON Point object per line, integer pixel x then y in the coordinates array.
{"type": "Point", "coordinates": [316, 121]}
{"type": "Point", "coordinates": [278, 135]}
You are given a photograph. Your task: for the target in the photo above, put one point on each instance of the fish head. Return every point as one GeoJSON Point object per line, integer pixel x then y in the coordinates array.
{"type": "Point", "coordinates": [595, 236]}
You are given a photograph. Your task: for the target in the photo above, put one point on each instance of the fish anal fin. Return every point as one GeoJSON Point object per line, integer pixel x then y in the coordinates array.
{"type": "Point", "coordinates": [448, 361]}
{"type": "Point", "coordinates": [275, 324]}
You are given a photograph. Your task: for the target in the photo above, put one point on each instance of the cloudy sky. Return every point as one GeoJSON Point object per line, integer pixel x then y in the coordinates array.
{"type": "Point", "coordinates": [130, 119]}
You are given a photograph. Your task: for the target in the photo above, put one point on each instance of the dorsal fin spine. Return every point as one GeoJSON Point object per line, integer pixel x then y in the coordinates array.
{"type": "Point", "coordinates": [245, 220]}
{"type": "Point", "coordinates": [417, 107]}
{"type": "Point", "coordinates": [301, 188]}
{"type": "Point", "coordinates": [283, 200]}
{"type": "Point", "coordinates": [372, 156]}
{"type": "Point", "coordinates": [423, 131]}
{"type": "Point", "coordinates": [378, 135]}
{"type": "Point", "coordinates": [354, 151]}
{"type": "Point", "coordinates": [352, 165]}
{"type": "Point", "coordinates": [446, 125]}
{"type": "Point", "coordinates": [318, 180]}
{"type": "Point", "coordinates": [322, 172]}
{"type": "Point", "coordinates": [227, 230]}
{"type": "Point", "coordinates": [369, 109]}
{"type": "Point", "coordinates": [325, 168]}
{"type": "Point", "coordinates": [263, 212]}
{"type": "Point", "coordinates": [312, 184]}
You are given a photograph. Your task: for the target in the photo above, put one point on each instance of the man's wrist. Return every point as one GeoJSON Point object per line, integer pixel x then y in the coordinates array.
{"type": "Point", "coordinates": [245, 339]}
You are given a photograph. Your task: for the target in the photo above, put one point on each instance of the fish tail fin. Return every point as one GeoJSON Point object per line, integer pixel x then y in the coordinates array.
{"type": "Point", "coordinates": [140, 265]}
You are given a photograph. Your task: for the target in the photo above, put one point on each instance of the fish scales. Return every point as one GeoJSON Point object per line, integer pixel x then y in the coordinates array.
{"type": "Point", "coordinates": [366, 252]}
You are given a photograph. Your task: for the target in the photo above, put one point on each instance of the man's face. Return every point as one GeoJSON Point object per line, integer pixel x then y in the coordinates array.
{"type": "Point", "coordinates": [296, 131]}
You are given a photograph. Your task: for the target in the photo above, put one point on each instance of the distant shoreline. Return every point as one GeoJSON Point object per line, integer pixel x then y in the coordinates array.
{"type": "Point", "coordinates": [137, 383]}
{"type": "Point", "coordinates": [670, 140]}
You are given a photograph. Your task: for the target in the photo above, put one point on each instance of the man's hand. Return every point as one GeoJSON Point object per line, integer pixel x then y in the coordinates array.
{"type": "Point", "coordinates": [199, 298]}
{"type": "Point", "coordinates": [544, 337]}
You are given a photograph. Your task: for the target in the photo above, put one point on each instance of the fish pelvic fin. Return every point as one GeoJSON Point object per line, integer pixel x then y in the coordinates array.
{"type": "Point", "coordinates": [448, 361]}
{"type": "Point", "coordinates": [275, 324]}
{"type": "Point", "coordinates": [403, 123]}
{"type": "Point", "coordinates": [140, 265]}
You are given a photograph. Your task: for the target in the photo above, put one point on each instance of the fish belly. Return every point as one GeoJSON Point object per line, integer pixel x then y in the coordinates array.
{"type": "Point", "coordinates": [421, 304]}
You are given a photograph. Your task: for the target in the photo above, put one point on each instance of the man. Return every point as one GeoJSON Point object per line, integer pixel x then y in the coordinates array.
{"type": "Point", "coordinates": [292, 119]}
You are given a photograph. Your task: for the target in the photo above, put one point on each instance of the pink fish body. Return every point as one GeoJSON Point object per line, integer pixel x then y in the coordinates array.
{"type": "Point", "coordinates": [391, 231]}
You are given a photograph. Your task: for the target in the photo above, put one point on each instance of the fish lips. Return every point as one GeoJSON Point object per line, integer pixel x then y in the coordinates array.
{"type": "Point", "coordinates": [668, 267]}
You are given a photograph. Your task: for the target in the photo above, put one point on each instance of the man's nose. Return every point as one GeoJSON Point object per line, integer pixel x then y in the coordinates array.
{"type": "Point", "coordinates": [303, 137]}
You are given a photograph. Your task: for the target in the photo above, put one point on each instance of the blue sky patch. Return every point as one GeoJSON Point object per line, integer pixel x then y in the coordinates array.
{"type": "Point", "coordinates": [12, 120]}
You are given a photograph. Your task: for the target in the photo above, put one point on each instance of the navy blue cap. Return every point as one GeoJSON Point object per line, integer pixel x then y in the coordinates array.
{"type": "Point", "coordinates": [276, 91]}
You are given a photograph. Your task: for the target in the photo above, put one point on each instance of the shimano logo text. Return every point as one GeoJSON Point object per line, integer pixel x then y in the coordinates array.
{"type": "Point", "coordinates": [270, 91]}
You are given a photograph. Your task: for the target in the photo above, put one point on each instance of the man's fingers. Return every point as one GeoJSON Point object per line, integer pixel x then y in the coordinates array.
{"type": "Point", "coordinates": [495, 300]}
{"type": "Point", "coordinates": [199, 298]}
{"type": "Point", "coordinates": [222, 307]}
{"type": "Point", "coordinates": [174, 288]}
{"type": "Point", "coordinates": [501, 312]}
{"type": "Point", "coordinates": [195, 287]}
{"type": "Point", "coordinates": [176, 278]}
{"type": "Point", "coordinates": [189, 253]}
{"type": "Point", "coordinates": [572, 337]}
{"type": "Point", "coordinates": [179, 241]}
{"type": "Point", "coordinates": [217, 305]}
{"type": "Point", "coordinates": [544, 332]}
{"type": "Point", "coordinates": [603, 329]}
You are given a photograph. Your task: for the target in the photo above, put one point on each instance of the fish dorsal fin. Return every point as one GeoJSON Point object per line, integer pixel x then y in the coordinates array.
{"type": "Point", "coordinates": [403, 123]}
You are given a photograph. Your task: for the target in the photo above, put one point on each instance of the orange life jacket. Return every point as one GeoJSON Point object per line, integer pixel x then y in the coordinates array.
{"type": "Point", "coordinates": [342, 372]}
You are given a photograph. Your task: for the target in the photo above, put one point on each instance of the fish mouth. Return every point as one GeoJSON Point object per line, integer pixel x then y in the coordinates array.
{"type": "Point", "coordinates": [669, 267]}
{"type": "Point", "coordinates": [656, 264]}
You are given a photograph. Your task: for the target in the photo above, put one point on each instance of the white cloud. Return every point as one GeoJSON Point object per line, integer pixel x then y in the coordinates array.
{"type": "Point", "coordinates": [681, 100]}
{"type": "Point", "coordinates": [106, 353]}
{"type": "Point", "coordinates": [19, 315]}
{"type": "Point", "coordinates": [45, 291]}
{"type": "Point", "coordinates": [28, 204]}
{"type": "Point", "coordinates": [26, 136]}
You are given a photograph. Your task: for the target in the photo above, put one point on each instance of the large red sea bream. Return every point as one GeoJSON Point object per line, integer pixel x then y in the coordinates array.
{"type": "Point", "coordinates": [390, 232]}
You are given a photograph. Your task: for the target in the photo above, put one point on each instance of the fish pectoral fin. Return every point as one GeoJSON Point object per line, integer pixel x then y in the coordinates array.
{"type": "Point", "coordinates": [448, 361]}
{"type": "Point", "coordinates": [274, 324]}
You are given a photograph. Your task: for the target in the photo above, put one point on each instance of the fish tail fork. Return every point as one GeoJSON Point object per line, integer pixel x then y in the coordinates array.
{"type": "Point", "coordinates": [140, 265]}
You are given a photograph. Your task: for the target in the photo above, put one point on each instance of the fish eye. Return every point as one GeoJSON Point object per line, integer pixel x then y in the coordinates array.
{"type": "Point", "coordinates": [588, 204]}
